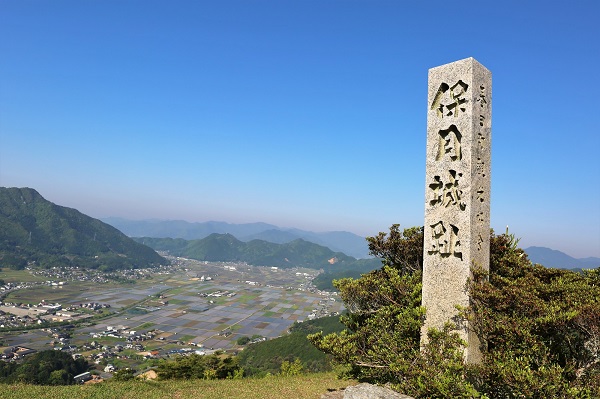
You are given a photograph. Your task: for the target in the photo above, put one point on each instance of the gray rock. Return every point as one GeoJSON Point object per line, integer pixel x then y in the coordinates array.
{"type": "Point", "coordinates": [365, 391]}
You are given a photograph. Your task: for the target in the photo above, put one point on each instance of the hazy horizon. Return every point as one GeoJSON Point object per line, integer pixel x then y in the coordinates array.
{"type": "Point", "coordinates": [307, 114]}
{"type": "Point", "coordinates": [294, 227]}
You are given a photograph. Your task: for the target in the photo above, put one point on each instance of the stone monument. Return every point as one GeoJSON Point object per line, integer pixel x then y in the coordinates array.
{"type": "Point", "coordinates": [457, 192]}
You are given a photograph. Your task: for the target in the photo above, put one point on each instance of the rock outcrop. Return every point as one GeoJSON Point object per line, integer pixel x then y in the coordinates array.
{"type": "Point", "coordinates": [365, 391]}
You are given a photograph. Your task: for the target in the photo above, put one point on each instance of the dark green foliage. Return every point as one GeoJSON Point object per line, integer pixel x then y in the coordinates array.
{"type": "Point", "coordinates": [125, 374]}
{"type": "Point", "coordinates": [36, 230]}
{"type": "Point", "coordinates": [402, 250]}
{"type": "Point", "coordinates": [227, 248]}
{"type": "Point", "coordinates": [208, 367]}
{"type": "Point", "coordinates": [289, 369]}
{"type": "Point", "coordinates": [540, 328]}
{"type": "Point", "coordinates": [43, 368]}
{"type": "Point", "coordinates": [382, 341]}
{"type": "Point", "coordinates": [324, 281]}
{"type": "Point", "coordinates": [327, 325]}
{"type": "Point", "coordinates": [12, 261]}
{"type": "Point", "coordinates": [268, 356]}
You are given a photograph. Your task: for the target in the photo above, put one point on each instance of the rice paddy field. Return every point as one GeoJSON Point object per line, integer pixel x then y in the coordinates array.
{"type": "Point", "coordinates": [197, 303]}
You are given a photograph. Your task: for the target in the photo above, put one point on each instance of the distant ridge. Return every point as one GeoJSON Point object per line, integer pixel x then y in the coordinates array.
{"type": "Point", "coordinates": [226, 248]}
{"type": "Point", "coordinates": [338, 241]}
{"type": "Point", "coordinates": [33, 229]}
{"type": "Point", "coordinates": [557, 259]}
{"type": "Point", "coordinates": [183, 229]}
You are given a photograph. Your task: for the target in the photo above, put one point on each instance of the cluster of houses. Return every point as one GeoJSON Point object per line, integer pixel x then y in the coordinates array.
{"type": "Point", "coordinates": [323, 309]}
{"type": "Point", "coordinates": [218, 294]}
{"type": "Point", "coordinates": [8, 287]}
{"type": "Point", "coordinates": [13, 317]}
{"type": "Point", "coordinates": [59, 276]}
{"type": "Point", "coordinates": [16, 352]}
{"type": "Point", "coordinates": [97, 352]}
{"type": "Point", "coordinates": [106, 352]}
{"type": "Point", "coordinates": [124, 333]}
{"type": "Point", "coordinates": [16, 315]}
{"type": "Point", "coordinates": [74, 273]}
{"type": "Point", "coordinates": [90, 305]}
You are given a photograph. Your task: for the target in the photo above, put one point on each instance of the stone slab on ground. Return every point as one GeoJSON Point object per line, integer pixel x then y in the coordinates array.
{"type": "Point", "coordinates": [365, 391]}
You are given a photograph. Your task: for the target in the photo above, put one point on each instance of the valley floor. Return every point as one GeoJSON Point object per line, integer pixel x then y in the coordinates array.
{"type": "Point", "coordinates": [200, 306]}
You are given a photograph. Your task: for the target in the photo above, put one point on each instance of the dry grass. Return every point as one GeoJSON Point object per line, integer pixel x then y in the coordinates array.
{"type": "Point", "coordinates": [309, 386]}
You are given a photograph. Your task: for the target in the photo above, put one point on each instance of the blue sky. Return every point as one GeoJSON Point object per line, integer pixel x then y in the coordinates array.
{"type": "Point", "coordinates": [308, 114]}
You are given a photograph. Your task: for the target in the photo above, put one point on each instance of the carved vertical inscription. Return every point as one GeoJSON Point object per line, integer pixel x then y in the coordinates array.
{"type": "Point", "coordinates": [457, 198]}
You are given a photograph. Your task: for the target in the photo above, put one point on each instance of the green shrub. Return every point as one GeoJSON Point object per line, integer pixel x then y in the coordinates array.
{"type": "Point", "coordinates": [206, 367]}
{"type": "Point", "coordinates": [291, 368]}
{"type": "Point", "coordinates": [48, 367]}
{"type": "Point", "coordinates": [539, 327]}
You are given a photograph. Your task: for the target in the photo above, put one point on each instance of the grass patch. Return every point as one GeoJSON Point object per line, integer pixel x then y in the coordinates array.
{"type": "Point", "coordinates": [247, 298]}
{"type": "Point", "coordinates": [127, 302]}
{"type": "Point", "coordinates": [177, 301]}
{"type": "Point", "coordinates": [220, 327]}
{"type": "Point", "coordinates": [186, 338]}
{"type": "Point", "coordinates": [145, 325]}
{"type": "Point", "coordinates": [66, 294]}
{"type": "Point", "coordinates": [137, 311]}
{"type": "Point", "coordinates": [218, 301]}
{"type": "Point", "coordinates": [176, 291]}
{"type": "Point", "coordinates": [17, 276]}
{"type": "Point", "coordinates": [307, 386]}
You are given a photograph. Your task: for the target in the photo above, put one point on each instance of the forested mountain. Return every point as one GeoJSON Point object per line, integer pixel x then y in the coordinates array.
{"type": "Point", "coordinates": [227, 248]}
{"type": "Point", "coordinates": [33, 229]}
{"type": "Point", "coordinates": [338, 241]}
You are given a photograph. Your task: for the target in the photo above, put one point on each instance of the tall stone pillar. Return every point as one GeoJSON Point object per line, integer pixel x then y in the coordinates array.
{"type": "Point", "coordinates": [457, 191]}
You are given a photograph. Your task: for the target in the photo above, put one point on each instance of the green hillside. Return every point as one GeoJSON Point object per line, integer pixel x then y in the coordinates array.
{"type": "Point", "coordinates": [227, 248]}
{"type": "Point", "coordinates": [266, 357]}
{"type": "Point", "coordinates": [36, 230]}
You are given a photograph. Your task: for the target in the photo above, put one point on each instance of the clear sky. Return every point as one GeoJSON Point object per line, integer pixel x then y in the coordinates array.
{"type": "Point", "coordinates": [307, 113]}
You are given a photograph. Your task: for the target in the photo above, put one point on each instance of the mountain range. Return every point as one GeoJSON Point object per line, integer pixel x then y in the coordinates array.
{"type": "Point", "coordinates": [338, 241]}
{"type": "Point", "coordinates": [35, 230]}
{"type": "Point", "coordinates": [226, 248]}
{"type": "Point", "coordinates": [557, 259]}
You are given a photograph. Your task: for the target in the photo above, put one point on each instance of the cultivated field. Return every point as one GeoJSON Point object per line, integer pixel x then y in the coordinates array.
{"type": "Point", "coordinates": [208, 305]}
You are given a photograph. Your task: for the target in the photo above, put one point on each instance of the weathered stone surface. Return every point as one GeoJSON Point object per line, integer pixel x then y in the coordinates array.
{"type": "Point", "coordinates": [339, 394]}
{"type": "Point", "coordinates": [457, 191]}
{"type": "Point", "coordinates": [365, 391]}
